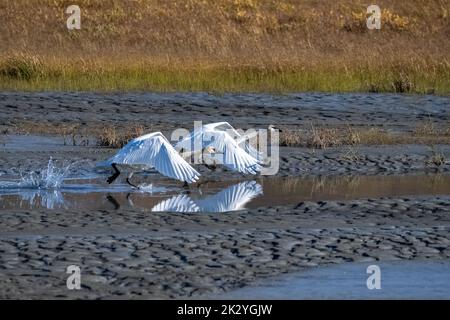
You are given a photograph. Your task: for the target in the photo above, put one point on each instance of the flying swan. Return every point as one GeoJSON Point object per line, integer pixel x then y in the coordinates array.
{"type": "Point", "coordinates": [152, 150]}
{"type": "Point", "coordinates": [215, 138]}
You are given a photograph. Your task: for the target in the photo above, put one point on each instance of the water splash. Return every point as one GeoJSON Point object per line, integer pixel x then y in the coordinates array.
{"type": "Point", "coordinates": [146, 187]}
{"type": "Point", "coordinates": [150, 188]}
{"type": "Point", "coordinates": [51, 177]}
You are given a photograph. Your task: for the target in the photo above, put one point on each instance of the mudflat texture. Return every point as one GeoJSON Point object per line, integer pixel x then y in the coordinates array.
{"type": "Point", "coordinates": [168, 111]}
{"type": "Point", "coordinates": [130, 253]}
{"type": "Point", "coordinates": [27, 153]}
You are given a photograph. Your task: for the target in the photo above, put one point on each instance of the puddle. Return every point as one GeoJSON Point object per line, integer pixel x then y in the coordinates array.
{"type": "Point", "coordinates": [15, 142]}
{"type": "Point", "coordinates": [223, 196]}
{"type": "Point", "coordinates": [399, 280]}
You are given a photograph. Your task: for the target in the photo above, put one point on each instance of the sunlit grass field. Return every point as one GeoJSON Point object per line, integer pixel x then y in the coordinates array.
{"type": "Point", "coordinates": [226, 46]}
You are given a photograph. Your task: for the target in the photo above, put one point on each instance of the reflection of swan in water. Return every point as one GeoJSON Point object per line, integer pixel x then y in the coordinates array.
{"type": "Point", "coordinates": [180, 203]}
{"type": "Point", "coordinates": [230, 199]}
{"type": "Point", "coordinates": [48, 198]}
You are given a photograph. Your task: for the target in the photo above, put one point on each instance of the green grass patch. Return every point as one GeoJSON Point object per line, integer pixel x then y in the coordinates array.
{"type": "Point", "coordinates": [31, 74]}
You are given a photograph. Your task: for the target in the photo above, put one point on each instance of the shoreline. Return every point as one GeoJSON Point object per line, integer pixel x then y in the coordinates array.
{"type": "Point", "coordinates": [405, 279]}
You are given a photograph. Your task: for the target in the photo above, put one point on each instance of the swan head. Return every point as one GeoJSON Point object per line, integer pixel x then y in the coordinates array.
{"type": "Point", "coordinates": [272, 128]}
{"type": "Point", "coordinates": [209, 149]}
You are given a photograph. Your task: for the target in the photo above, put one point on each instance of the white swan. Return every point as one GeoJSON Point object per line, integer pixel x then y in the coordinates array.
{"type": "Point", "coordinates": [242, 140]}
{"type": "Point", "coordinates": [215, 137]}
{"type": "Point", "coordinates": [230, 199]}
{"type": "Point", "coordinates": [151, 151]}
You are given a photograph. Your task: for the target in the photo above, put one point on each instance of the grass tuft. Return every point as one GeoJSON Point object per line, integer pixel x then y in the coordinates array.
{"type": "Point", "coordinates": [436, 158]}
{"type": "Point", "coordinates": [22, 67]}
{"type": "Point", "coordinates": [109, 136]}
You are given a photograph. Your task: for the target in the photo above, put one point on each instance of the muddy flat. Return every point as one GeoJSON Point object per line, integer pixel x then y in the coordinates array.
{"type": "Point", "coordinates": [401, 112]}
{"type": "Point", "coordinates": [322, 208]}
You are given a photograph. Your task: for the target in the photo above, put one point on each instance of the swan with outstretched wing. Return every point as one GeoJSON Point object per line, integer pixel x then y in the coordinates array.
{"type": "Point", "coordinates": [216, 139]}
{"type": "Point", "coordinates": [151, 151]}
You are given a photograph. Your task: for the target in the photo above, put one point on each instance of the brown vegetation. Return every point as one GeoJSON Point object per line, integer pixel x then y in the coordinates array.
{"type": "Point", "coordinates": [226, 45]}
{"type": "Point", "coordinates": [326, 137]}
{"type": "Point", "coordinates": [312, 136]}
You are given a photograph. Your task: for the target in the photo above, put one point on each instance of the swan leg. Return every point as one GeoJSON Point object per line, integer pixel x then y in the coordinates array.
{"type": "Point", "coordinates": [111, 199]}
{"type": "Point", "coordinates": [114, 176]}
{"type": "Point", "coordinates": [129, 181]}
{"type": "Point", "coordinates": [130, 201]}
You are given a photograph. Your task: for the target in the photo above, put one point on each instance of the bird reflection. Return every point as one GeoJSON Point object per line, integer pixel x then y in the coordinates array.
{"type": "Point", "coordinates": [180, 203]}
{"type": "Point", "coordinates": [49, 199]}
{"type": "Point", "coordinates": [230, 199]}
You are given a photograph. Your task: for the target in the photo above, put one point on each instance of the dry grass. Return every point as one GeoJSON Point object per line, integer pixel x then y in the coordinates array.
{"type": "Point", "coordinates": [110, 136]}
{"type": "Point", "coordinates": [376, 136]}
{"type": "Point", "coordinates": [427, 128]}
{"type": "Point", "coordinates": [225, 45]}
{"type": "Point", "coordinates": [322, 138]}
{"type": "Point", "coordinates": [351, 155]}
{"type": "Point", "coordinates": [326, 137]}
{"type": "Point", "coordinates": [436, 159]}
{"type": "Point", "coordinates": [291, 138]}
{"type": "Point", "coordinates": [313, 136]}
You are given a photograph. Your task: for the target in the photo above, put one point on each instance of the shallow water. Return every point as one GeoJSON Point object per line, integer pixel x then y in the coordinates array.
{"type": "Point", "coordinates": [399, 280]}
{"type": "Point", "coordinates": [224, 196]}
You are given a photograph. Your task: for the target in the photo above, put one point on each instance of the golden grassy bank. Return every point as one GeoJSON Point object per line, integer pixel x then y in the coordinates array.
{"type": "Point", "coordinates": [225, 45]}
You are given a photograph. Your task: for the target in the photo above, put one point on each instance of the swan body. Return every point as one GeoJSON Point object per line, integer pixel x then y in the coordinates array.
{"type": "Point", "coordinates": [216, 136]}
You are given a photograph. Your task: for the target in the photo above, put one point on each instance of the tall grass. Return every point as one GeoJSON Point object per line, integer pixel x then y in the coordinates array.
{"type": "Point", "coordinates": [226, 45]}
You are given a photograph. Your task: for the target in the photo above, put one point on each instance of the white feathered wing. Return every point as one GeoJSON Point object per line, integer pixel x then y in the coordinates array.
{"type": "Point", "coordinates": [234, 157]}
{"type": "Point", "coordinates": [155, 151]}
{"type": "Point", "coordinates": [240, 139]}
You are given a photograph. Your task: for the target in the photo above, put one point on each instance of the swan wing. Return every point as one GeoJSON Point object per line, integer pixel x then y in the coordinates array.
{"type": "Point", "coordinates": [179, 203]}
{"type": "Point", "coordinates": [155, 151]}
{"type": "Point", "coordinates": [240, 138]}
{"type": "Point", "coordinates": [223, 126]}
{"type": "Point", "coordinates": [197, 138]}
{"type": "Point", "coordinates": [234, 157]}
{"type": "Point", "coordinates": [232, 198]}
